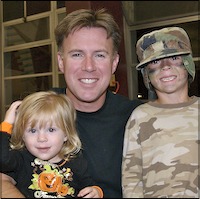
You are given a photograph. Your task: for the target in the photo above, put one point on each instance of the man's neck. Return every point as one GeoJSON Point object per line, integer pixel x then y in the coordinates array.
{"type": "Point", "coordinates": [87, 106]}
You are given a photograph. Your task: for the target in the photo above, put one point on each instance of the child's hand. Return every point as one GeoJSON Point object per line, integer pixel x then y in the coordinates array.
{"type": "Point", "coordinates": [89, 192]}
{"type": "Point", "coordinates": [11, 112]}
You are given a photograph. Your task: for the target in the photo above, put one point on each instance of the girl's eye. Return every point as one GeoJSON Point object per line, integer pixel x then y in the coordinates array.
{"type": "Point", "coordinates": [32, 130]}
{"type": "Point", "coordinates": [51, 129]}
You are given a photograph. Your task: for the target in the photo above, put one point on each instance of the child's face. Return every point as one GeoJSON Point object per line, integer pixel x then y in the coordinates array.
{"type": "Point", "coordinates": [168, 75]}
{"type": "Point", "coordinates": [45, 142]}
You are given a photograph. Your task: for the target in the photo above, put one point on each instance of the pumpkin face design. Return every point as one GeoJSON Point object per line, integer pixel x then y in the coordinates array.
{"type": "Point", "coordinates": [49, 182]}
{"type": "Point", "coordinates": [63, 190]}
{"type": "Point", "coordinates": [51, 179]}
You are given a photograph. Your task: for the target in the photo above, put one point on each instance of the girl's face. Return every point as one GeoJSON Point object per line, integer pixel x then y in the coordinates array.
{"type": "Point", "coordinates": [168, 75]}
{"type": "Point", "coordinates": [45, 142]}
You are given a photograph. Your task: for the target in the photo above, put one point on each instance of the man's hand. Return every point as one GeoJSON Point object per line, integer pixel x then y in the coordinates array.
{"type": "Point", "coordinates": [8, 187]}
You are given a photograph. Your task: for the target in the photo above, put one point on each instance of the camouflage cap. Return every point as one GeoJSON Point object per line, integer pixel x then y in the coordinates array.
{"type": "Point", "coordinates": [162, 43]}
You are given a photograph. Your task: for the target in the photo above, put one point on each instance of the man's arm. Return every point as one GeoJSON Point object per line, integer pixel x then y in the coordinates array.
{"type": "Point", "coordinates": [8, 188]}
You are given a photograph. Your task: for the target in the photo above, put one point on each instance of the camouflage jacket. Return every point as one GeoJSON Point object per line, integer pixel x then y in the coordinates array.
{"type": "Point", "coordinates": [160, 155]}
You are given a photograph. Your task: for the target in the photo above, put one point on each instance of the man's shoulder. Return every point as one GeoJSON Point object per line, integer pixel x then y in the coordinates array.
{"type": "Point", "coordinates": [123, 100]}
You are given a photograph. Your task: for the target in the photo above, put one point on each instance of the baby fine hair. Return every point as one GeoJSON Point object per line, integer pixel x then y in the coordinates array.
{"type": "Point", "coordinates": [47, 107]}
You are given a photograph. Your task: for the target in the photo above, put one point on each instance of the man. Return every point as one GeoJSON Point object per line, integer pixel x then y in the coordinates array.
{"type": "Point", "coordinates": [88, 43]}
{"type": "Point", "coordinates": [160, 154]}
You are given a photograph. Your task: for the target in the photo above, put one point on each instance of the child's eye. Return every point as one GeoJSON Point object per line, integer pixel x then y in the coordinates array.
{"type": "Point", "coordinates": [51, 129]}
{"type": "Point", "coordinates": [175, 57]}
{"type": "Point", "coordinates": [154, 62]}
{"type": "Point", "coordinates": [32, 130]}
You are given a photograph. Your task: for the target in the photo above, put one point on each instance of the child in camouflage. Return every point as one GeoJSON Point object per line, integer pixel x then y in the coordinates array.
{"type": "Point", "coordinates": [160, 154]}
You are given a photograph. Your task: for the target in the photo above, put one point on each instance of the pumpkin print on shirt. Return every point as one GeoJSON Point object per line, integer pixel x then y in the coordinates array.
{"type": "Point", "coordinates": [48, 179]}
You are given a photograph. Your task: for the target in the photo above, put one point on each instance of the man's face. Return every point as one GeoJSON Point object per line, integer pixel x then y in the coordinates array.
{"type": "Point", "coordinates": [168, 75]}
{"type": "Point", "coordinates": [87, 61]}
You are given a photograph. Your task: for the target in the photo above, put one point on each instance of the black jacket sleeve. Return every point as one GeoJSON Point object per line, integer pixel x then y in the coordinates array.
{"type": "Point", "coordinates": [9, 159]}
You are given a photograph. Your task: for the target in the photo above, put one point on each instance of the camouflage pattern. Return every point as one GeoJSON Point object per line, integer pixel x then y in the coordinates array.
{"type": "Point", "coordinates": [189, 64]}
{"type": "Point", "coordinates": [164, 43]}
{"type": "Point", "coordinates": [160, 154]}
